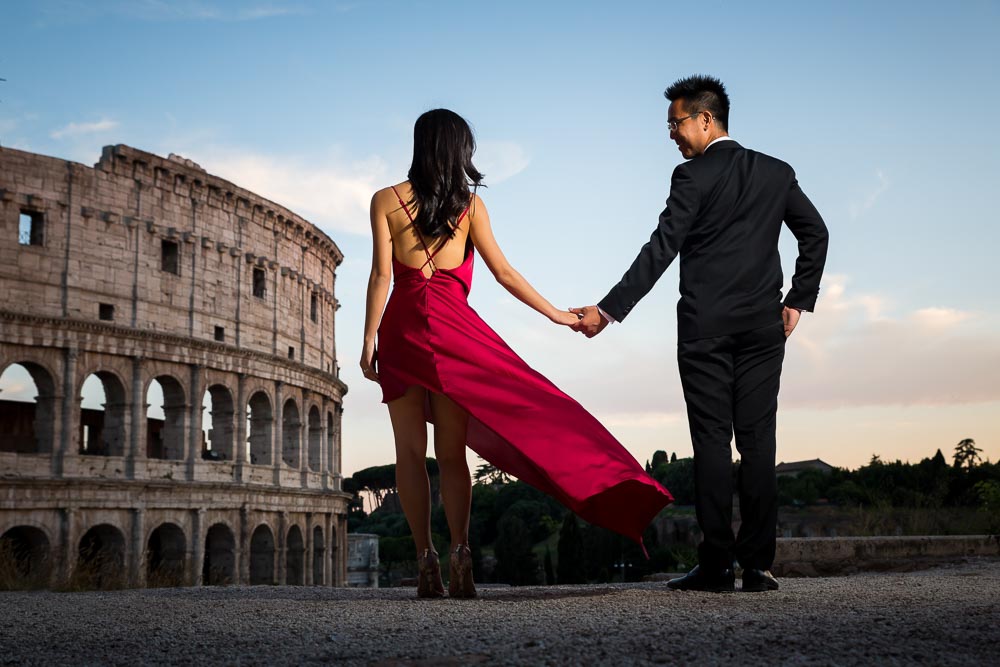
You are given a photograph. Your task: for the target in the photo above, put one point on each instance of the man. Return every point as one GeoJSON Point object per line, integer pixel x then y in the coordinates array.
{"type": "Point", "coordinates": [723, 216]}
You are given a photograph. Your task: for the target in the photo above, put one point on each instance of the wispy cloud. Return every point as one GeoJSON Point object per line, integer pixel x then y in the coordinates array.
{"type": "Point", "coordinates": [333, 192]}
{"type": "Point", "coordinates": [500, 160]}
{"type": "Point", "coordinates": [856, 352]}
{"type": "Point", "coordinates": [160, 10]}
{"type": "Point", "coordinates": [859, 208]}
{"type": "Point", "coordinates": [78, 129]}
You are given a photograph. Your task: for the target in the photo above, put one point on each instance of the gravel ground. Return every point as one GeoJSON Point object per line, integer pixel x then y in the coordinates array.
{"type": "Point", "coordinates": [946, 616]}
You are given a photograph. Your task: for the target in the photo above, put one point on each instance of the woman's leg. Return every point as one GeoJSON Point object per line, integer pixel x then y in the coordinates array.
{"type": "Point", "coordinates": [450, 426]}
{"type": "Point", "coordinates": [412, 484]}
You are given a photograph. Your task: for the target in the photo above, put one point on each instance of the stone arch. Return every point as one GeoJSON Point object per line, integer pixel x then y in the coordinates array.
{"type": "Point", "coordinates": [295, 557]}
{"type": "Point", "coordinates": [262, 555]}
{"type": "Point", "coordinates": [25, 558]}
{"type": "Point", "coordinates": [260, 417]}
{"type": "Point", "coordinates": [219, 568]}
{"type": "Point", "coordinates": [27, 426]}
{"type": "Point", "coordinates": [221, 434]}
{"type": "Point", "coordinates": [318, 551]}
{"type": "Point", "coordinates": [165, 437]}
{"type": "Point", "coordinates": [165, 556]}
{"type": "Point", "coordinates": [101, 558]}
{"type": "Point", "coordinates": [315, 438]}
{"type": "Point", "coordinates": [291, 433]}
{"type": "Point", "coordinates": [102, 418]}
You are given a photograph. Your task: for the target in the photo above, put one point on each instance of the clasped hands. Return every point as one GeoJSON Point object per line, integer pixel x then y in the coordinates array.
{"type": "Point", "coordinates": [587, 320]}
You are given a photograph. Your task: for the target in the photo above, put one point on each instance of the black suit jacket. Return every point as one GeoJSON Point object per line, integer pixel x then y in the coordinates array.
{"type": "Point", "coordinates": [723, 217]}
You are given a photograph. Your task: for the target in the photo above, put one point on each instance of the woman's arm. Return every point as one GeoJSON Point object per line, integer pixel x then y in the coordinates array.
{"type": "Point", "coordinates": [505, 274]}
{"type": "Point", "coordinates": [378, 283]}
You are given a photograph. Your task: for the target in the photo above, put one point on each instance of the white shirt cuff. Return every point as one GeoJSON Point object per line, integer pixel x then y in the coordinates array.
{"type": "Point", "coordinates": [605, 315]}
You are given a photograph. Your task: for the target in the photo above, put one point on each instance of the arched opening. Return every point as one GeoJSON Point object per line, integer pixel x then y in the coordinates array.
{"type": "Point", "coordinates": [259, 420]}
{"type": "Point", "coordinates": [315, 438]}
{"type": "Point", "coordinates": [102, 415]}
{"type": "Point", "coordinates": [318, 551]}
{"type": "Point", "coordinates": [27, 409]}
{"type": "Point", "coordinates": [262, 556]}
{"type": "Point", "coordinates": [295, 552]}
{"type": "Point", "coordinates": [165, 410]}
{"type": "Point", "coordinates": [165, 557]}
{"type": "Point", "coordinates": [217, 424]}
{"type": "Point", "coordinates": [24, 559]}
{"type": "Point", "coordinates": [101, 559]}
{"type": "Point", "coordinates": [219, 568]}
{"type": "Point", "coordinates": [291, 428]}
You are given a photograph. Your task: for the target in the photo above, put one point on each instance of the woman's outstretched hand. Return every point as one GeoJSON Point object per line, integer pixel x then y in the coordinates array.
{"type": "Point", "coordinates": [564, 318]}
{"type": "Point", "coordinates": [368, 361]}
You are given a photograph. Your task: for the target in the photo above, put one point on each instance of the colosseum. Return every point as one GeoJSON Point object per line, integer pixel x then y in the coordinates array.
{"type": "Point", "coordinates": [173, 400]}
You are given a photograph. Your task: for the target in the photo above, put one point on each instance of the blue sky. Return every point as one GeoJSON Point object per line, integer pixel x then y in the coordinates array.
{"type": "Point", "coordinates": [884, 110]}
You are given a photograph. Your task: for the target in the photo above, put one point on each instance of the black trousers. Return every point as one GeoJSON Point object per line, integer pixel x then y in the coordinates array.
{"type": "Point", "coordinates": [731, 386]}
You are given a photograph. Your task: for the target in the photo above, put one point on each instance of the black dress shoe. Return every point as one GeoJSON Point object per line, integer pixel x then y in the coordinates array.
{"type": "Point", "coordinates": [720, 581]}
{"type": "Point", "coordinates": [758, 581]}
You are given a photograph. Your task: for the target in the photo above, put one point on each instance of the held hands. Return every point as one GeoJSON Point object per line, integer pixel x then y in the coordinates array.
{"type": "Point", "coordinates": [564, 318]}
{"type": "Point", "coordinates": [590, 322]}
{"type": "Point", "coordinates": [368, 356]}
{"type": "Point", "coordinates": [790, 316]}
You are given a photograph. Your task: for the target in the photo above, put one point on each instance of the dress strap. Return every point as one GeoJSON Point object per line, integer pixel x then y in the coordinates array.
{"type": "Point", "coordinates": [427, 252]}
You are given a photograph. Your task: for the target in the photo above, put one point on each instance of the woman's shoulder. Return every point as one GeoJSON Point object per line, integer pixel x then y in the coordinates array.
{"type": "Point", "coordinates": [390, 194]}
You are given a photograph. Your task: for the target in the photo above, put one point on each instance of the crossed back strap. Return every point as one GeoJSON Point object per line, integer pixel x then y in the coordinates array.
{"type": "Point", "coordinates": [427, 252]}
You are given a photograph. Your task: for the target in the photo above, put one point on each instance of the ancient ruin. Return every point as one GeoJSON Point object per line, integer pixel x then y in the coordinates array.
{"type": "Point", "coordinates": [146, 277]}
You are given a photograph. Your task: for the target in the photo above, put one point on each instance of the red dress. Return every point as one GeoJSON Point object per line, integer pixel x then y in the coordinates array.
{"type": "Point", "coordinates": [518, 420]}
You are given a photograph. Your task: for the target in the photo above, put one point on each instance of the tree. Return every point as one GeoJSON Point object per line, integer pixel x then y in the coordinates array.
{"type": "Point", "coordinates": [487, 473]}
{"type": "Point", "coordinates": [967, 454]}
{"type": "Point", "coordinates": [673, 457]}
{"type": "Point", "coordinates": [570, 567]}
{"type": "Point", "coordinates": [659, 457]}
{"type": "Point", "coordinates": [550, 575]}
{"type": "Point", "coordinates": [516, 561]}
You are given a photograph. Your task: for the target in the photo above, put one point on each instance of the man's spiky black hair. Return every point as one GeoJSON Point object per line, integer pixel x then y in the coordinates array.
{"type": "Point", "coordinates": [702, 93]}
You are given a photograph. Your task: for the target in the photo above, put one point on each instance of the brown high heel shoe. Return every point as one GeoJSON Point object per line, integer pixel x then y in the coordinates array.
{"type": "Point", "coordinates": [429, 584]}
{"type": "Point", "coordinates": [460, 583]}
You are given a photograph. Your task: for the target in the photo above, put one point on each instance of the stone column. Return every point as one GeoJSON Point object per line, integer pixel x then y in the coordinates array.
{"type": "Point", "coordinates": [70, 426]}
{"type": "Point", "coordinates": [278, 440]}
{"type": "Point", "coordinates": [307, 576]}
{"type": "Point", "coordinates": [195, 433]}
{"type": "Point", "coordinates": [281, 543]}
{"type": "Point", "coordinates": [243, 548]}
{"type": "Point", "coordinates": [325, 454]}
{"type": "Point", "coordinates": [240, 446]}
{"type": "Point", "coordinates": [197, 555]}
{"type": "Point", "coordinates": [137, 556]}
{"type": "Point", "coordinates": [66, 549]}
{"type": "Point", "coordinates": [305, 438]}
{"type": "Point", "coordinates": [329, 571]}
{"type": "Point", "coordinates": [137, 432]}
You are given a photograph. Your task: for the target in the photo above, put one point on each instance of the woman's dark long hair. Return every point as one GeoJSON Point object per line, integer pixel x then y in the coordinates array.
{"type": "Point", "coordinates": [441, 171]}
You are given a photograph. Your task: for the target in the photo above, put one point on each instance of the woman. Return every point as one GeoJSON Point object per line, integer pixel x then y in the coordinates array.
{"type": "Point", "coordinates": [438, 361]}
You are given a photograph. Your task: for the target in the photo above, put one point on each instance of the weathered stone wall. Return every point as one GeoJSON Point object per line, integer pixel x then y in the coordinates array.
{"type": "Point", "coordinates": [271, 371]}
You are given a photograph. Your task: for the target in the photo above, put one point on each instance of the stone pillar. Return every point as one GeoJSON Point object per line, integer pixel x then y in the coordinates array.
{"type": "Point", "coordinates": [243, 548]}
{"type": "Point", "coordinates": [197, 555]}
{"type": "Point", "coordinates": [305, 438]}
{"type": "Point", "coordinates": [137, 433]}
{"type": "Point", "coordinates": [68, 432]}
{"type": "Point", "coordinates": [195, 432]}
{"type": "Point", "coordinates": [329, 571]}
{"type": "Point", "coordinates": [281, 542]}
{"type": "Point", "coordinates": [240, 446]}
{"type": "Point", "coordinates": [278, 439]}
{"type": "Point", "coordinates": [341, 554]}
{"type": "Point", "coordinates": [137, 556]}
{"type": "Point", "coordinates": [66, 549]}
{"type": "Point", "coordinates": [325, 455]}
{"type": "Point", "coordinates": [307, 576]}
